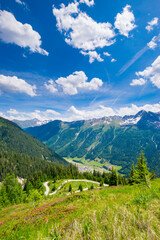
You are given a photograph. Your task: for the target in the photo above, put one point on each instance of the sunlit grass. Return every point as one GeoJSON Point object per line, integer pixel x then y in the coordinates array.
{"type": "Point", "coordinates": [129, 212]}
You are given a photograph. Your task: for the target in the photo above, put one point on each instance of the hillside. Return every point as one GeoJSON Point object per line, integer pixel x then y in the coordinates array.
{"type": "Point", "coordinates": [13, 138]}
{"type": "Point", "coordinates": [124, 212]}
{"type": "Point", "coordinates": [108, 141]}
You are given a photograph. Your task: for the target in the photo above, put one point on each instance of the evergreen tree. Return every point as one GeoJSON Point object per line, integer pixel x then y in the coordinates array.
{"type": "Point", "coordinates": [153, 175]}
{"type": "Point", "coordinates": [11, 191]}
{"type": "Point", "coordinates": [92, 187]}
{"type": "Point", "coordinates": [113, 181]}
{"type": "Point", "coordinates": [54, 188]}
{"type": "Point", "coordinates": [101, 184]}
{"type": "Point", "coordinates": [131, 179]}
{"type": "Point", "coordinates": [80, 187]}
{"type": "Point", "coordinates": [142, 172]}
{"type": "Point", "coordinates": [70, 188]}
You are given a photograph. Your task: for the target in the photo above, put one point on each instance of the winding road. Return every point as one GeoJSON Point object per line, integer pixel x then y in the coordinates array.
{"type": "Point", "coordinates": [70, 180]}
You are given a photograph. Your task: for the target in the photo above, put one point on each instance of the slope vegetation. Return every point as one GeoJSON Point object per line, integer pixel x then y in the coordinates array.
{"type": "Point", "coordinates": [116, 140]}
{"type": "Point", "coordinates": [129, 212]}
{"type": "Point", "coordinates": [13, 138]}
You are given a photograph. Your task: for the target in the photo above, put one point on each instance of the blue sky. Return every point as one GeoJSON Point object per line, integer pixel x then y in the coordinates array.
{"type": "Point", "coordinates": [78, 59]}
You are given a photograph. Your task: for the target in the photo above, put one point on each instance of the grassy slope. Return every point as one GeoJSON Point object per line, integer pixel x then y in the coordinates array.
{"type": "Point", "coordinates": [75, 186]}
{"type": "Point", "coordinates": [130, 212]}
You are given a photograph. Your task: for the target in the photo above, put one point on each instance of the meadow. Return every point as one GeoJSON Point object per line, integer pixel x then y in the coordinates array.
{"type": "Point", "coordinates": [122, 212]}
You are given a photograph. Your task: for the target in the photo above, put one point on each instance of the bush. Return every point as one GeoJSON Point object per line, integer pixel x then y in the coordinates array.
{"type": "Point", "coordinates": [54, 188]}
{"type": "Point", "coordinates": [92, 187]}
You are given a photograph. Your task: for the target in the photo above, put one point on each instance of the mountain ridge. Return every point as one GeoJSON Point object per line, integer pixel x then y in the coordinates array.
{"type": "Point", "coordinates": [115, 140]}
{"type": "Point", "coordinates": [13, 138]}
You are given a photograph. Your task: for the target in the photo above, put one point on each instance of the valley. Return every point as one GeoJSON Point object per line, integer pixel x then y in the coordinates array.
{"type": "Point", "coordinates": [105, 142]}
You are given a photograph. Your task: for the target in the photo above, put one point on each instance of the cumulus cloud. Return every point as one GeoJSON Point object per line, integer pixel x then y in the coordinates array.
{"type": "Point", "coordinates": [88, 2]}
{"type": "Point", "coordinates": [73, 114]}
{"type": "Point", "coordinates": [135, 109]}
{"type": "Point", "coordinates": [93, 55]}
{"type": "Point", "coordinates": [151, 73]}
{"type": "Point", "coordinates": [138, 82]}
{"type": "Point", "coordinates": [51, 86]}
{"type": "Point", "coordinates": [48, 114]}
{"type": "Point", "coordinates": [23, 35]}
{"type": "Point", "coordinates": [76, 81]}
{"type": "Point", "coordinates": [107, 54]}
{"type": "Point", "coordinates": [16, 85]}
{"type": "Point", "coordinates": [84, 33]}
{"type": "Point", "coordinates": [125, 21]}
{"type": "Point", "coordinates": [151, 24]}
{"type": "Point", "coordinates": [113, 60]}
{"type": "Point", "coordinates": [102, 111]}
{"type": "Point", "coordinates": [80, 30]}
{"type": "Point", "coordinates": [12, 111]}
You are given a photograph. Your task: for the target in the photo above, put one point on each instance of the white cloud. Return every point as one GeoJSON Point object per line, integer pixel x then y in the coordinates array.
{"type": "Point", "coordinates": [107, 54]}
{"type": "Point", "coordinates": [12, 111]}
{"type": "Point", "coordinates": [73, 114]}
{"type": "Point", "coordinates": [16, 85]}
{"type": "Point", "coordinates": [80, 30]}
{"type": "Point", "coordinates": [125, 21]}
{"type": "Point", "coordinates": [88, 2]}
{"type": "Point", "coordinates": [151, 24]}
{"type": "Point", "coordinates": [135, 109]}
{"type": "Point", "coordinates": [93, 55]}
{"type": "Point", "coordinates": [76, 81]}
{"type": "Point", "coordinates": [101, 111]}
{"type": "Point", "coordinates": [23, 35]}
{"type": "Point", "coordinates": [48, 114]}
{"type": "Point", "coordinates": [138, 82]}
{"type": "Point", "coordinates": [113, 60]}
{"type": "Point", "coordinates": [20, 2]}
{"type": "Point", "coordinates": [51, 86]}
{"type": "Point", "coordinates": [152, 73]}
{"type": "Point", "coordinates": [152, 44]}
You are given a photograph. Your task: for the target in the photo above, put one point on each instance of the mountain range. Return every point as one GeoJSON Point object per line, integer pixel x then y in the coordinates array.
{"type": "Point", "coordinates": [29, 123]}
{"type": "Point", "coordinates": [109, 140]}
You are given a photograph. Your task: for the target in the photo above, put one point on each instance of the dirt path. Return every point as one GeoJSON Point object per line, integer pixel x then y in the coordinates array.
{"type": "Point", "coordinates": [70, 180]}
{"type": "Point", "coordinates": [47, 188]}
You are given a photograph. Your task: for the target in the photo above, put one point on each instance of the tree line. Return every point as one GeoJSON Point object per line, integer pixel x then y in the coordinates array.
{"type": "Point", "coordinates": [12, 192]}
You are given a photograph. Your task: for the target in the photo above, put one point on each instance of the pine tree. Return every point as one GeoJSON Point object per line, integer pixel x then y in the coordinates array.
{"type": "Point", "coordinates": [11, 191]}
{"type": "Point", "coordinates": [80, 187]}
{"type": "Point", "coordinates": [101, 184]}
{"type": "Point", "coordinates": [113, 181]}
{"type": "Point", "coordinates": [131, 179]}
{"type": "Point", "coordinates": [70, 188]}
{"type": "Point", "coordinates": [142, 174]}
{"type": "Point", "coordinates": [92, 187]}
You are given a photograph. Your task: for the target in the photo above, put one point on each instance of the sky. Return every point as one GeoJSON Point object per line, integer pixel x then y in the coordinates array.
{"type": "Point", "coordinates": [78, 59]}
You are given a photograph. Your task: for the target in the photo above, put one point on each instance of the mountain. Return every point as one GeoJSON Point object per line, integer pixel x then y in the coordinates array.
{"type": "Point", "coordinates": [29, 123]}
{"type": "Point", "coordinates": [13, 138]}
{"type": "Point", "coordinates": [114, 140]}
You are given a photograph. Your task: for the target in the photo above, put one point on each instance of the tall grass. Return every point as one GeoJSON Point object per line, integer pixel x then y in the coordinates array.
{"type": "Point", "coordinates": [129, 212]}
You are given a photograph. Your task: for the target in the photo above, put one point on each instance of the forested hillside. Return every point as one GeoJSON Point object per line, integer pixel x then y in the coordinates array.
{"type": "Point", "coordinates": [113, 140]}
{"type": "Point", "coordinates": [13, 138]}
